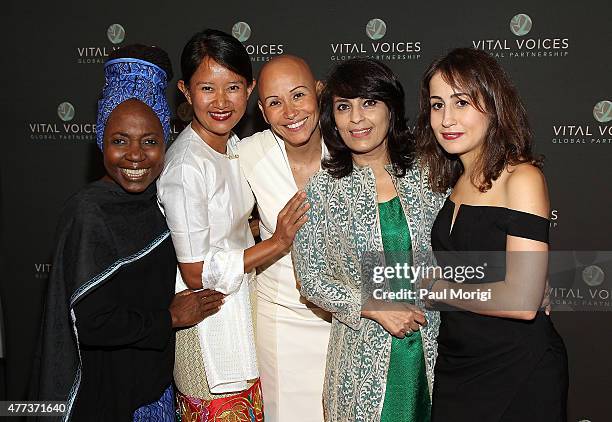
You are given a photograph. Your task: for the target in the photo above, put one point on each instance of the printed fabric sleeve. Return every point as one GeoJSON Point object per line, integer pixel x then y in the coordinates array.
{"type": "Point", "coordinates": [183, 196]}
{"type": "Point", "coordinates": [312, 259]}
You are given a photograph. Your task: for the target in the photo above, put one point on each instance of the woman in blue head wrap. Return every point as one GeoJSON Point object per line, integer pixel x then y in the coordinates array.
{"type": "Point", "coordinates": [107, 346]}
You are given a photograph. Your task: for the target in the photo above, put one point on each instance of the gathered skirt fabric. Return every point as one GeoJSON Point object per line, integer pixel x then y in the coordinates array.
{"type": "Point", "coordinates": [244, 406]}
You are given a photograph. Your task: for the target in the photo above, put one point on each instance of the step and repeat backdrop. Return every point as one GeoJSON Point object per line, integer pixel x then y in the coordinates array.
{"type": "Point", "coordinates": [557, 53]}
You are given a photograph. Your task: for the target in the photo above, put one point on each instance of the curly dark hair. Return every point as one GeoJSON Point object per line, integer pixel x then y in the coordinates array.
{"type": "Point", "coordinates": [508, 140]}
{"type": "Point", "coordinates": [371, 79]}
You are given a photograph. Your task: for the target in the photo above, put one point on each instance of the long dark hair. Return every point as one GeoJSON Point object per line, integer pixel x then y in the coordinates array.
{"type": "Point", "coordinates": [371, 79]}
{"type": "Point", "coordinates": [509, 137]}
{"type": "Point", "coordinates": [219, 46]}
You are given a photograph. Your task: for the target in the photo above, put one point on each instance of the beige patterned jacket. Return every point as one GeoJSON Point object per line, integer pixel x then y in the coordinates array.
{"type": "Point", "coordinates": [342, 231]}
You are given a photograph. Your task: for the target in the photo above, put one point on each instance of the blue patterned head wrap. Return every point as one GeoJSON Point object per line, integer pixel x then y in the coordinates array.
{"type": "Point", "coordinates": [127, 78]}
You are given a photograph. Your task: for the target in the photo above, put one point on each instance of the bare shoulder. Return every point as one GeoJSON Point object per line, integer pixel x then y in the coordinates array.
{"type": "Point", "coordinates": [525, 175]}
{"type": "Point", "coordinates": [526, 189]}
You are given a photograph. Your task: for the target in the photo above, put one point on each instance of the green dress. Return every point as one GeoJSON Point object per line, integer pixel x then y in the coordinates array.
{"type": "Point", "coordinates": [407, 392]}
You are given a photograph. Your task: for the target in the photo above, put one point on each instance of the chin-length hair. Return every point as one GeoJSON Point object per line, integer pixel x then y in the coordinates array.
{"type": "Point", "coordinates": [508, 139]}
{"type": "Point", "coordinates": [368, 79]}
{"type": "Point", "coordinates": [220, 47]}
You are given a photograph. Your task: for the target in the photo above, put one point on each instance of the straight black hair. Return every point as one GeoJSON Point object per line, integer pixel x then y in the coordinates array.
{"type": "Point", "coordinates": [219, 46]}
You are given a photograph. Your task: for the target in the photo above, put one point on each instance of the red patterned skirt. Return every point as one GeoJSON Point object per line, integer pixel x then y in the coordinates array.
{"type": "Point", "coordinates": [246, 406]}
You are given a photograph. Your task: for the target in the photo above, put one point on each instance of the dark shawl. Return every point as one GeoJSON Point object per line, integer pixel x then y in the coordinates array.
{"type": "Point", "coordinates": [101, 229]}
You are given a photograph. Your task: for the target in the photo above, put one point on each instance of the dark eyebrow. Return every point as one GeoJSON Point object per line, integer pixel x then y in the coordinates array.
{"type": "Point", "coordinates": [291, 90]}
{"type": "Point", "coordinates": [339, 99]}
{"type": "Point", "coordinates": [126, 135]}
{"type": "Point", "coordinates": [457, 94]}
{"type": "Point", "coordinates": [230, 82]}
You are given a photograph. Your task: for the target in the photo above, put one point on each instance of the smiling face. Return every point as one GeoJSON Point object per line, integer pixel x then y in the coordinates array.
{"type": "Point", "coordinates": [458, 125]}
{"type": "Point", "coordinates": [219, 99]}
{"type": "Point", "coordinates": [288, 100]}
{"type": "Point", "coordinates": [133, 146]}
{"type": "Point", "coordinates": [363, 124]}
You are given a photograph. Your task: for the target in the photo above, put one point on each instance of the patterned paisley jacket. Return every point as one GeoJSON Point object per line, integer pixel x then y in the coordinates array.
{"type": "Point", "coordinates": [343, 228]}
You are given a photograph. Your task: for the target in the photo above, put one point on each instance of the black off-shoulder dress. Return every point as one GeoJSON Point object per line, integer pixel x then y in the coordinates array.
{"type": "Point", "coordinates": [492, 369]}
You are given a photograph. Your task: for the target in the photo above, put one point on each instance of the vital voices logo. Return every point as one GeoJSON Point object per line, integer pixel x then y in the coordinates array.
{"type": "Point", "coordinates": [603, 111]}
{"type": "Point", "coordinates": [376, 29]}
{"type": "Point", "coordinates": [593, 275]}
{"type": "Point", "coordinates": [115, 34]}
{"type": "Point", "coordinates": [241, 31]}
{"type": "Point", "coordinates": [42, 270]}
{"type": "Point", "coordinates": [525, 44]}
{"type": "Point", "coordinates": [258, 52]}
{"type": "Point", "coordinates": [587, 133]}
{"type": "Point", "coordinates": [65, 111]}
{"type": "Point", "coordinates": [520, 24]}
{"type": "Point", "coordinates": [62, 128]}
{"type": "Point", "coordinates": [579, 280]}
{"type": "Point", "coordinates": [379, 47]}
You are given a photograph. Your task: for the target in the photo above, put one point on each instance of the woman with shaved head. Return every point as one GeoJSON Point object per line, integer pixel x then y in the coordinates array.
{"type": "Point", "coordinates": [292, 333]}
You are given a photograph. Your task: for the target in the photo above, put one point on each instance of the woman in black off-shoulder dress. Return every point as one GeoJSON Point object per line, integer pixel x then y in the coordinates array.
{"type": "Point", "coordinates": [499, 357]}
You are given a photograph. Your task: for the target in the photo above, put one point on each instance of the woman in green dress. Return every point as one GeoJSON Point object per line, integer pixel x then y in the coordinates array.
{"type": "Point", "coordinates": [370, 207]}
